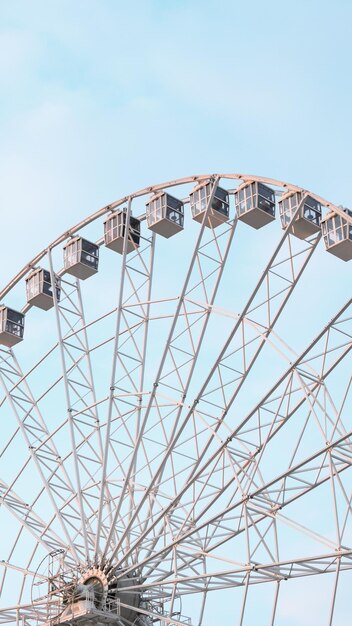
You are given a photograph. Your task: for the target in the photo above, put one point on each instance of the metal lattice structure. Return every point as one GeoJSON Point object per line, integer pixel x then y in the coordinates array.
{"type": "Point", "coordinates": [162, 444]}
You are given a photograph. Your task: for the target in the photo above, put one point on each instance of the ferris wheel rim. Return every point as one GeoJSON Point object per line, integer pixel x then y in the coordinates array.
{"type": "Point", "coordinates": [197, 178]}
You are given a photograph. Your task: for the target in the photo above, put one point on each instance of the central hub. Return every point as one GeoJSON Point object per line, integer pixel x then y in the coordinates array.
{"type": "Point", "coordinates": [101, 596]}
{"type": "Point", "coordinates": [96, 581]}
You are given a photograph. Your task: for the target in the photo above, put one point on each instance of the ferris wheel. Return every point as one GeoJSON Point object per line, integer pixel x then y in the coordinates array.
{"type": "Point", "coordinates": [167, 454]}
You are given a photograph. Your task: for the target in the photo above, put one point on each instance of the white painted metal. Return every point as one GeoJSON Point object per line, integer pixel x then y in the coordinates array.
{"type": "Point", "coordinates": [131, 455]}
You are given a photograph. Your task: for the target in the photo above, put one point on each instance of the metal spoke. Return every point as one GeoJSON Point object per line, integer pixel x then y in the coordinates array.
{"type": "Point", "coordinates": [313, 466]}
{"type": "Point", "coordinates": [203, 399]}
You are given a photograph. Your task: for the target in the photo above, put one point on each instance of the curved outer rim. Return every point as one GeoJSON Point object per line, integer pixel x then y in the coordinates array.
{"type": "Point", "coordinates": [159, 187]}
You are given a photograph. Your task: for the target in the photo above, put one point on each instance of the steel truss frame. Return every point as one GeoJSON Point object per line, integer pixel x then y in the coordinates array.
{"type": "Point", "coordinates": [209, 483]}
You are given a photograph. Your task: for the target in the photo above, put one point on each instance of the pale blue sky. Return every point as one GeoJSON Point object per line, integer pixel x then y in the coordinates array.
{"type": "Point", "coordinates": [100, 98]}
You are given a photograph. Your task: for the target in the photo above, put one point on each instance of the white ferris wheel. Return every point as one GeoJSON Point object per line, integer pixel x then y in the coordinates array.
{"type": "Point", "coordinates": [166, 452]}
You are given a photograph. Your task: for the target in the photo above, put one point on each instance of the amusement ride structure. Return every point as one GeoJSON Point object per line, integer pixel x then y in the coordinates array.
{"type": "Point", "coordinates": [162, 444]}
